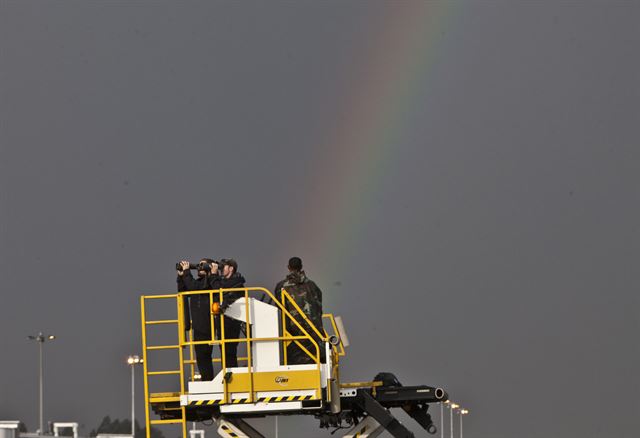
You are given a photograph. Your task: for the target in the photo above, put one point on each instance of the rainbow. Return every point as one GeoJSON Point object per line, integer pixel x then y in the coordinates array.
{"type": "Point", "coordinates": [351, 165]}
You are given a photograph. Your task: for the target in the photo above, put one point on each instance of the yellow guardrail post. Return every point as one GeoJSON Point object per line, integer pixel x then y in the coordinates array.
{"type": "Point", "coordinates": [248, 335]}
{"type": "Point", "coordinates": [191, 360]}
{"type": "Point", "coordinates": [285, 333]}
{"type": "Point", "coordinates": [180, 310]}
{"type": "Point", "coordinates": [223, 340]}
{"type": "Point", "coordinates": [144, 367]}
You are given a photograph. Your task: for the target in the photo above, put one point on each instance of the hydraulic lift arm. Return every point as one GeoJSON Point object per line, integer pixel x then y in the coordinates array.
{"type": "Point", "coordinates": [369, 409]}
{"type": "Point", "coordinates": [373, 408]}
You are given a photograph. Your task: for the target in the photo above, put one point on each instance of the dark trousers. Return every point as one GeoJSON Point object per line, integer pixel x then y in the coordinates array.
{"type": "Point", "coordinates": [231, 331]}
{"type": "Point", "coordinates": [203, 354]}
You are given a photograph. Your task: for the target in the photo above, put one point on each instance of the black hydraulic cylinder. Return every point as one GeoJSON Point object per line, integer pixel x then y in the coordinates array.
{"type": "Point", "coordinates": [422, 417]}
{"type": "Point", "coordinates": [421, 394]}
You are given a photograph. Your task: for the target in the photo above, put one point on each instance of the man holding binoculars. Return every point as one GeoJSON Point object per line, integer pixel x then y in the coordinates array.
{"type": "Point", "coordinates": [212, 275]}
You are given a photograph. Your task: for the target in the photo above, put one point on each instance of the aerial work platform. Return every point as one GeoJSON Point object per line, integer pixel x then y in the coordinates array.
{"type": "Point", "coordinates": [268, 383]}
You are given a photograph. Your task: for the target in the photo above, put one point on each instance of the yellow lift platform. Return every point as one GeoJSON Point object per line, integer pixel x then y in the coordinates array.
{"type": "Point", "coordinates": [267, 384]}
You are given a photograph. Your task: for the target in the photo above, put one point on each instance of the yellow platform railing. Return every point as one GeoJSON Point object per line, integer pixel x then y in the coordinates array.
{"type": "Point", "coordinates": [184, 341]}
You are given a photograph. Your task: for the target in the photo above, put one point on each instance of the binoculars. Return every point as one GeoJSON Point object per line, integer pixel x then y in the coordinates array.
{"type": "Point", "coordinates": [202, 266]}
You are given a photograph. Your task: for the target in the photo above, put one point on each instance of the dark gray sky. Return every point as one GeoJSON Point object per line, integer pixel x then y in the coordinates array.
{"type": "Point", "coordinates": [498, 254]}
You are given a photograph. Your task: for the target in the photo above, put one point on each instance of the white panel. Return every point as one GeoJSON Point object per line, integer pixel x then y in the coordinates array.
{"type": "Point", "coordinates": [341, 331]}
{"type": "Point", "coordinates": [264, 321]}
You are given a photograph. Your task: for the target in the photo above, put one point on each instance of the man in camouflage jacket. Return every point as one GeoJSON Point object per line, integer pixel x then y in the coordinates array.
{"type": "Point", "coordinates": [308, 296]}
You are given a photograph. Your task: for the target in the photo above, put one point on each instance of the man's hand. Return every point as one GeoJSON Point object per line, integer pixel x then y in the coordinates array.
{"type": "Point", "coordinates": [214, 269]}
{"type": "Point", "coordinates": [224, 306]}
{"type": "Point", "coordinates": [184, 265]}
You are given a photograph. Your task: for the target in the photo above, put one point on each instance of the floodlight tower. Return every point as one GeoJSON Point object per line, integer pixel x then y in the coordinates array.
{"type": "Point", "coordinates": [133, 361]}
{"type": "Point", "coordinates": [462, 412]}
{"type": "Point", "coordinates": [442, 417]}
{"type": "Point", "coordinates": [41, 339]}
{"type": "Point", "coordinates": [452, 406]}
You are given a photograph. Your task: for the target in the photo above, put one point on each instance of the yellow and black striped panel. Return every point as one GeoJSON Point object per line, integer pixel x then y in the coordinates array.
{"type": "Point", "coordinates": [205, 402]}
{"type": "Point", "coordinates": [229, 431]}
{"type": "Point", "coordinates": [359, 434]}
{"type": "Point", "coordinates": [284, 398]}
{"type": "Point", "coordinates": [236, 401]}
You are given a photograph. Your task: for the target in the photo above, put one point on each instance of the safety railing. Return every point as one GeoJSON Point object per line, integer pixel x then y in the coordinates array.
{"type": "Point", "coordinates": [186, 340]}
{"type": "Point", "coordinates": [222, 340]}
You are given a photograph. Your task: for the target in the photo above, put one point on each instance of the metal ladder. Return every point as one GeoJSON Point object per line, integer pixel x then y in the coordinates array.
{"type": "Point", "coordinates": [163, 397]}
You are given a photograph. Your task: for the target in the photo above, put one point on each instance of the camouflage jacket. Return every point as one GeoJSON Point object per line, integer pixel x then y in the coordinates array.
{"type": "Point", "coordinates": [307, 295]}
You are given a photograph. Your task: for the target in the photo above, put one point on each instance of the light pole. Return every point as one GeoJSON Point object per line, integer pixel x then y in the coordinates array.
{"type": "Point", "coordinates": [41, 339]}
{"type": "Point", "coordinates": [453, 406]}
{"type": "Point", "coordinates": [462, 412]}
{"type": "Point", "coordinates": [133, 361]}
{"type": "Point", "coordinates": [442, 417]}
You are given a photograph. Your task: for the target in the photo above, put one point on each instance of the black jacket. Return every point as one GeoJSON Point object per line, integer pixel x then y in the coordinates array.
{"type": "Point", "coordinates": [197, 308]}
{"type": "Point", "coordinates": [235, 281]}
{"type": "Point", "coordinates": [231, 326]}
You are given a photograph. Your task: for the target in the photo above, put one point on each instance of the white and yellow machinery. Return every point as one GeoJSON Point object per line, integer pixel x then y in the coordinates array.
{"type": "Point", "coordinates": [267, 384]}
